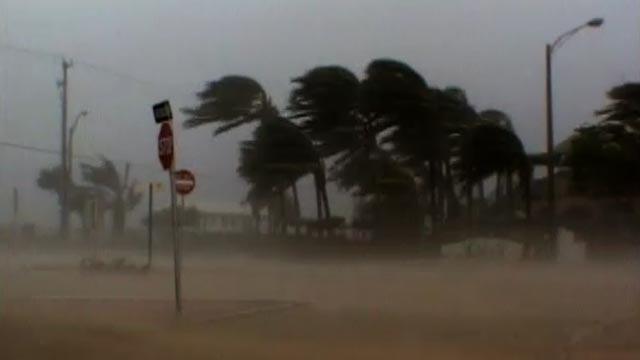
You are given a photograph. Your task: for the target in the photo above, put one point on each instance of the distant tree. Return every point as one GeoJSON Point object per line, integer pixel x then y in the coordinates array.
{"type": "Point", "coordinates": [123, 191]}
{"type": "Point", "coordinates": [50, 179]}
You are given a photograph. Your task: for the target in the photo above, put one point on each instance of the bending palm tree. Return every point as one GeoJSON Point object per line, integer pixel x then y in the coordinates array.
{"type": "Point", "coordinates": [487, 149]}
{"type": "Point", "coordinates": [124, 195]}
{"type": "Point", "coordinates": [279, 154]}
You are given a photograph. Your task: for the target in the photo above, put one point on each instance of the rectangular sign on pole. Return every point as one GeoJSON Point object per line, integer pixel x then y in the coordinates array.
{"type": "Point", "coordinates": [162, 112]}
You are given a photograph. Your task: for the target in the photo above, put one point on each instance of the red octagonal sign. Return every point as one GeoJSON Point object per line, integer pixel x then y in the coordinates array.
{"type": "Point", "coordinates": [165, 145]}
{"type": "Point", "coordinates": [185, 182]}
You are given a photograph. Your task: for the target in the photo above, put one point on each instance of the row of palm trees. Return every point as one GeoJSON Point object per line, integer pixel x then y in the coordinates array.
{"type": "Point", "coordinates": [408, 150]}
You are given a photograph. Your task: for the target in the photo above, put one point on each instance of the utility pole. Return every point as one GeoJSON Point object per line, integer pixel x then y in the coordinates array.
{"type": "Point", "coordinates": [64, 201]}
{"type": "Point", "coordinates": [551, 177]}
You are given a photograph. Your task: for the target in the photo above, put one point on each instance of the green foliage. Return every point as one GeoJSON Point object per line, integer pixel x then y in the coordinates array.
{"type": "Point", "coordinates": [277, 156]}
{"type": "Point", "coordinates": [605, 160]}
{"type": "Point", "coordinates": [123, 195]}
{"type": "Point", "coordinates": [103, 175]}
{"type": "Point", "coordinates": [50, 179]}
{"type": "Point", "coordinates": [497, 118]}
{"type": "Point", "coordinates": [487, 149]}
{"type": "Point", "coordinates": [324, 100]}
{"type": "Point", "coordinates": [624, 106]}
{"type": "Point", "coordinates": [344, 116]}
{"type": "Point", "coordinates": [230, 102]}
{"type": "Point", "coordinates": [386, 136]}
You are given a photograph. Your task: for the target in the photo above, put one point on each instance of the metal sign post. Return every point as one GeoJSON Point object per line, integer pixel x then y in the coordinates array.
{"type": "Point", "coordinates": [150, 228]}
{"type": "Point", "coordinates": [162, 114]}
{"type": "Point", "coordinates": [176, 244]}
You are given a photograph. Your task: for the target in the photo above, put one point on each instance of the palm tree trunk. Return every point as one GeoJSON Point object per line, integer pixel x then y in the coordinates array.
{"type": "Point", "coordinates": [118, 213]}
{"type": "Point", "coordinates": [323, 187]}
{"type": "Point", "coordinates": [283, 213]}
{"type": "Point", "coordinates": [318, 204]}
{"type": "Point", "coordinates": [296, 200]}
{"type": "Point", "coordinates": [441, 192]}
{"type": "Point", "coordinates": [325, 201]}
{"type": "Point", "coordinates": [255, 212]}
{"type": "Point", "coordinates": [469, 190]}
{"type": "Point", "coordinates": [510, 195]}
{"type": "Point", "coordinates": [270, 217]}
{"type": "Point", "coordinates": [498, 189]}
{"type": "Point", "coordinates": [327, 211]}
{"type": "Point", "coordinates": [453, 209]}
{"type": "Point", "coordinates": [433, 195]}
{"type": "Point", "coordinates": [526, 184]}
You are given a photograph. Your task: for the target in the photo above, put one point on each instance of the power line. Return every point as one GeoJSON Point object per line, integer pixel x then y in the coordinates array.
{"type": "Point", "coordinates": [42, 150]}
{"type": "Point", "coordinates": [32, 52]}
{"type": "Point", "coordinates": [100, 68]}
{"type": "Point", "coordinates": [87, 157]}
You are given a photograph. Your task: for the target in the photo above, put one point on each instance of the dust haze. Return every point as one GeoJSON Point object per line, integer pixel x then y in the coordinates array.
{"type": "Point", "coordinates": [337, 179]}
{"type": "Point", "coordinates": [283, 306]}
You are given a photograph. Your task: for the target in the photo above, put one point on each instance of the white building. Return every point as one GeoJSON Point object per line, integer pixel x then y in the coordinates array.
{"type": "Point", "coordinates": [224, 218]}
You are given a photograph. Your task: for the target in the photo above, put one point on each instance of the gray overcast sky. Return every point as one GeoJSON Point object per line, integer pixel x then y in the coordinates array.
{"type": "Point", "coordinates": [494, 49]}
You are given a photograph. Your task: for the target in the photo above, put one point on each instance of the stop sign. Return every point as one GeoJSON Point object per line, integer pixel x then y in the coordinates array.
{"type": "Point", "coordinates": [185, 182]}
{"type": "Point", "coordinates": [165, 145]}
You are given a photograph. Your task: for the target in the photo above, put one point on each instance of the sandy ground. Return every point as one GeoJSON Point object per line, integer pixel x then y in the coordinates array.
{"type": "Point", "coordinates": [247, 308]}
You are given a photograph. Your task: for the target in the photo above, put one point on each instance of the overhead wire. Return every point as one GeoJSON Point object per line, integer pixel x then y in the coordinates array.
{"type": "Point", "coordinates": [104, 70]}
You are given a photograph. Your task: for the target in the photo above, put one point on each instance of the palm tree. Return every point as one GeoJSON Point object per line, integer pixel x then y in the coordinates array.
{"type": "Point", "coordinates": [275, 159]}
{"type": "Point", "coordinates": [124, 194]}
{"type": "Point", "coordinates": [488, 149]}
{"type": "Point", "coordinates": [234, 101]}
{"type": "Point", "coordinates": [229, 103]}
{"type": "Point", "coordinates": [344, 115]}
{"type": "Point", "coordinates": [624, 106]}
{"type": "Point", "coordinates": [427, 139]}
{"type": "Point", "coordinates": [605, 160]}
{"type": "Point", "coordinates": [503, 181]}
{"type": "Point", "coordinates": [392, 108]}
{"type": "Point", "coordinates": [50, 179]}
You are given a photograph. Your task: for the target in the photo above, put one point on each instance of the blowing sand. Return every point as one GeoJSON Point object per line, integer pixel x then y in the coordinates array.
{"type": "Point", "coordinates": [248, 308]}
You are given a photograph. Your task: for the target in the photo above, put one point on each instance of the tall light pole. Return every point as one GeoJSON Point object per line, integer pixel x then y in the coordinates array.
{"type": "Point", "coordinates": [64, 201]}
{"type": "Point", "coordinates": [72, 132]}
{"type": "Point", "coordinates": [549, 49]}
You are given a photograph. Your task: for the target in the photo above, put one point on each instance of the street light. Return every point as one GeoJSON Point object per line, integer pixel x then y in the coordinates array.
{"type": "Point", "coordinates": [72, 131]}
{"type": "Point", "coordinates": [550, 48]}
